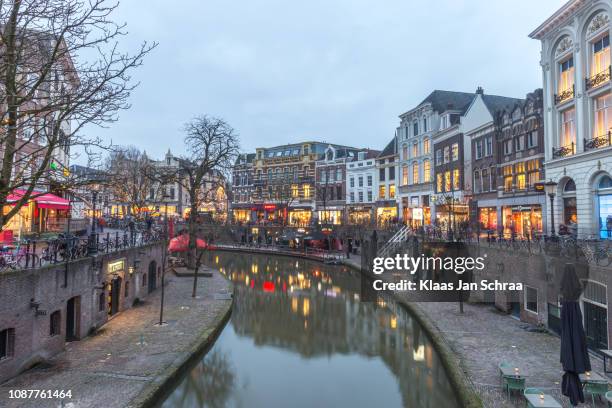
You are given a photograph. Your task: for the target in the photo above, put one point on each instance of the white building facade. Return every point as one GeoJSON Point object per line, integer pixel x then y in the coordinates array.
{"type": "Point", "coordinates": [575, 62]}
{"type": "Point", "coordinates": [362, 188]}
{"type": "Point", "coordinates": [415, 146]}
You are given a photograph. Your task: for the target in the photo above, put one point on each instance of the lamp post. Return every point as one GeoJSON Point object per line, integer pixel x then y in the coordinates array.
{"type": "Point", "coordinates": [550, 187]}
{"type": "Point", "coordinates": [164, 256]}
{"type": "Point", "coordinates": [93, 244]}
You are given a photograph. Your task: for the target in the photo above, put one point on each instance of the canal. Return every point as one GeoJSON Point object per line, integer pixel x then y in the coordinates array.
{"type": "Point", "coordinates": [300, 337]}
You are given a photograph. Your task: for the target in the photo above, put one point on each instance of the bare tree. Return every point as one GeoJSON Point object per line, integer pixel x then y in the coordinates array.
{"type": "Point", "coordinates": [60, 70]}
{"type": "Point", "coordinates": [212, 146]}
{"type": "Point", "coordinates": [131, 177]}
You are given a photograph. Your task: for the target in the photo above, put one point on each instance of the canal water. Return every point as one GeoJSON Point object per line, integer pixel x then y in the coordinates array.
{"type": "Point", "coordinates": [300, 337]}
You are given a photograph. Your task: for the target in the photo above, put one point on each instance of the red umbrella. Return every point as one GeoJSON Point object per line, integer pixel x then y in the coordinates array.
{"type": "Point", "coordinates": [181, 243]}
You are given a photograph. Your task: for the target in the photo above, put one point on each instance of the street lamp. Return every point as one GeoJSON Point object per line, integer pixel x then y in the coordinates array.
{"type": "Point", "coordinates": [551, 187]}
{"type": "Point", "coordinates": [165, 196]}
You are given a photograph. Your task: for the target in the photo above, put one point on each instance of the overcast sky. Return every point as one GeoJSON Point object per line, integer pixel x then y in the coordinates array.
{"type": "Point", "coordinates": [336, 70]}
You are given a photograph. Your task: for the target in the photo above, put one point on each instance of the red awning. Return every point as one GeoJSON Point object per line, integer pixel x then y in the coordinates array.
{"type": "Point", "coordinates": [46, 200]}
{"type": "Point", "coordinates": [181, 243]}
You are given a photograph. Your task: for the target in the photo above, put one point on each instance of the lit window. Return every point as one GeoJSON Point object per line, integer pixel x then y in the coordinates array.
{"type": "Point", "coordinates": [415, 173]}
{"type": "Point", "coordinates": [295, 191]}
{"type": "Point", "coordinates": [426, 171]}
{"type": "Point", "coordinates": [566, 76]}
{"type": "Point", "coordinates": [405, 152]}
{"type": "Point", "coordinates": [382, 192]}
{"type": "Point", "coordinates": [306, 190]}
{"type": "Point", "coordinates": [392, 191]}
{"type": "Point", "coordinates": [425, 146]}
{"type": "Point", "coordinates": [439, 182]}
{"type": "Point", "coordinates": [447, 181]}
{"type": "Point", "coordinates": [415, 149]}
{"type": "Point", "coordinates": [456, 179]}
{"type": "Point", "coordinates": [446, 154]}
{"type": "Point", "coordinates": [601, 55]}
{"type": "Point", "coordinates": [404, 175]}
{"type": "Point", "coordinates": [603, 115]}
{"type": "Point", "coordinates": [455, 150]}
{"type": "Point", "coordinates": [568, 129]}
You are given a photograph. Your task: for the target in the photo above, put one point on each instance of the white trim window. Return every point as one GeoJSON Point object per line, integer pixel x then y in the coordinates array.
{"type": "Point", "coordinates": [568, 128]}
{"type": "Point", "coordinates": [602, 122]}
{"type": "Point", "coordinates": [566, 75]}
{"type": "Point", "coordinates": [600, 60]}
{"type": "Point", "coordinates": [531, 299]}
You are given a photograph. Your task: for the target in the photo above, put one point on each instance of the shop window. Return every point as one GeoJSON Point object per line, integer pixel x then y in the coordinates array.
{"type": "Point", "coordinates": [55, 321]}
{"type": "Point", "coordinates": [7, 343]}
{"type": "Point", "coordinates": [531, 299]}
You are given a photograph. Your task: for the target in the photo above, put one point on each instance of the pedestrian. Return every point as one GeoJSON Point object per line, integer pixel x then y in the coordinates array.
{"type": "Point", "coordinates": [349, 248]}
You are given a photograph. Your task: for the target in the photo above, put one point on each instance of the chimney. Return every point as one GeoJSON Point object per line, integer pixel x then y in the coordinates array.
{"type": "Point", "coordinates": [479, 90]}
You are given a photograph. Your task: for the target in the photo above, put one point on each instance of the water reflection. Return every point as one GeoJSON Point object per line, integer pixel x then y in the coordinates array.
{"type": "Point", "coordinates": [299, 336]}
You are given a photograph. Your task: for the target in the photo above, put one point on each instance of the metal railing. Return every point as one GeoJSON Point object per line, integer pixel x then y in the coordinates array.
{"type": "Point", "coordinates": [565, 95]}
{"type": "Point", "coordinates": [599, 141]}
{"type": "Point", "coordinates": [563, 151]}
{"type": "Point", "coordinates": [394, 242]}
{"type": "Point", "coordinates": [32, 254]}
{"type": "Point", "coordinates": [598, 79]}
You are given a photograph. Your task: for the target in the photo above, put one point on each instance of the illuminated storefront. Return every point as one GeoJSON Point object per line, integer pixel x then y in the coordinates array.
{"type": "Point", "coordinates": [331, 216]}
{"type": "Point", "coordinates": [385, 215]}
{"type": "Point", "coordinates": [451, 215]}
{"type": "Point", "coordinates": [43, 213]}
{"type": "Point", "coordinates": [487, 218]}
{"type": "Point", "coordinates": [300, 218]}
{"type": "Point", "coordinates": [360, 216]}
{"type": "Point", "coordinates": [241, 215]}
{"type": "Point", "coordinates": [525, 221]}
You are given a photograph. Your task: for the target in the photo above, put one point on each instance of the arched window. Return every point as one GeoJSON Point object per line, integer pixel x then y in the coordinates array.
{"type": "Point", "coordinates": [570, 186]}
{"type": "Point", "coordinates": [605, 182]}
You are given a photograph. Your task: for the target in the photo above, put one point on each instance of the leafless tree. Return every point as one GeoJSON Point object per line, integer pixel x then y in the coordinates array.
{"type": "Point", "coordinates": [212, 146]}
{"type": "Point", "coordinates": [60, 70]}
{"type": "Point", "coordinates": [131, 176]}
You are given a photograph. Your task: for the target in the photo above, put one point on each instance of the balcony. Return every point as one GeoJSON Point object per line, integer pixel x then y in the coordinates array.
{"type": "Point", "coordinates": [598, 79]}
{"type": "Point", "coordinates": [563, 151]}
{"type": "Point", "coordinates": [599, 141]}
{"type": "Point", "coordinates": [565, 95]}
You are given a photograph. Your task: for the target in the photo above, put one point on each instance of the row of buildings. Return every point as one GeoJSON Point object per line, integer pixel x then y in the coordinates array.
{"type": "Point", "coordinates": [460, 160]}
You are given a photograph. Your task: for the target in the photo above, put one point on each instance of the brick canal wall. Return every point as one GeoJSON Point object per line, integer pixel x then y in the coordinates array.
{"type": "Point", "coordinates": [86, 293]}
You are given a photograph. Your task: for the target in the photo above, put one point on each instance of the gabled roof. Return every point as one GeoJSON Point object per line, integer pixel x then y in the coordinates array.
{"type": "Point", "coordinates": [389, 149]}
{"type": "Point", "coordinates": [495, 103]}
{"type": "Point", "coordinates": [442, 101]}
